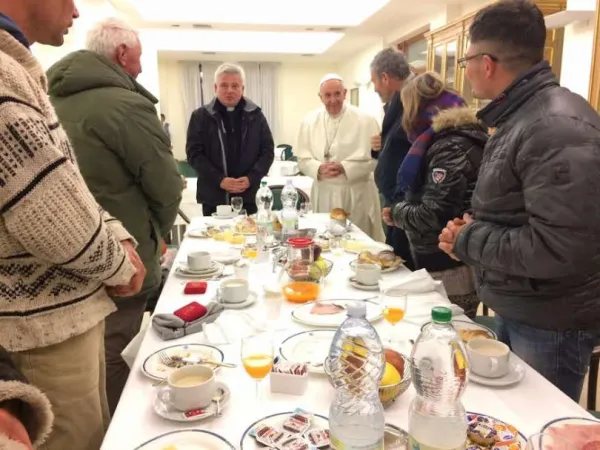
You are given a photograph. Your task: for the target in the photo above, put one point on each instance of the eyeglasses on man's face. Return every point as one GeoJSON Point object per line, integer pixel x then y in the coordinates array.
{"type": "Point", "coordinates": [462, 62]}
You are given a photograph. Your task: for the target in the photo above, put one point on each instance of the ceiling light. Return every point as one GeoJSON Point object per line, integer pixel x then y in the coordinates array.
{"type": "Point", "coordinates": [240, 41]}
{"type": "Point", "coordinates": [260, 12]}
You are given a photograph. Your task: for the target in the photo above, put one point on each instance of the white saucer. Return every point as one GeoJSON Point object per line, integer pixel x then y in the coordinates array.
{"type": "Point", "coordinates": [168, 412]}
{"type": "Point", "coordinates": [198, 234]}
{"type": "Point", "coordinates": [215, 266]}
{"type": "Point", "coordinates": [227, 257]}
{"type": "Point", "coordinates": [252, 297]}
{"type": "Point", "coordinates": [225, 217]}
{"type": "Point", "coordinates": [516, 372]}
{"type": "Point", "coordinates": [363, 287]}
{"type": "Point", "coordinates": [199, 276]}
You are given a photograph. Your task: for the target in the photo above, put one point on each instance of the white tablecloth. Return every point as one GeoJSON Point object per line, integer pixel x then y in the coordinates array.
{"type": "Point", "coordinates": [528, 405]}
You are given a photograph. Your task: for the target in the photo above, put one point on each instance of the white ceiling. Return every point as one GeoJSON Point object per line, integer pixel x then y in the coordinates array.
{"type": "Point", "coordinates": [269, 30]}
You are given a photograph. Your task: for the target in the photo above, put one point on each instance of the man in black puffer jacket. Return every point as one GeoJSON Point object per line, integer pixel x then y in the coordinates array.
{"type": "Point", "coordinates": [389, 72]}
{"type": "Point", "coordinates": [534, 237]}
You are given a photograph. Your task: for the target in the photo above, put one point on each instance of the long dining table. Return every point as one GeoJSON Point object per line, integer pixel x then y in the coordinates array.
{"type": "Point", "coordinates": [527, 405]}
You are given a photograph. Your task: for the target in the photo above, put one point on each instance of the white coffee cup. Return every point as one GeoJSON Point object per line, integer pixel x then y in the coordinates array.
{"type": "Point", "coordinates": [234, 290]}
{"type": "Point", "coordinates": [189, 388]}
{"type": "Point", "coordinates": [199, 260]}
{"type": "Point", "coordinates": [241, 270]}
{"type": "Point", "coordinates": [488, 358]}
{"type": "Point", "coordinates": [224, 210]}
{"type": "Point", "coordinates": [368, 274]}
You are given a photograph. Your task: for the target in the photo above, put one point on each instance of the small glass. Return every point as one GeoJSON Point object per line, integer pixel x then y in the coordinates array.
{"type": "Point", "coordinates": [237, 204]}
{"type": "Point", "coordinates": [257, 355]}
{"type": "Point", "coordinates": [394, 302]}
{"type": "Point", "coordinates": [250, 250]}
{"type": "Point", "coordinates": [336, 246]}
{"type": "Point", "coordinates": [547, 441]}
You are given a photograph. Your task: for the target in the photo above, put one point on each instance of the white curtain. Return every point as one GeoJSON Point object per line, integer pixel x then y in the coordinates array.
{"type": "Point", "coordinates": [208, 79]}
{"type": "Point", "coordinates": [190, 88]}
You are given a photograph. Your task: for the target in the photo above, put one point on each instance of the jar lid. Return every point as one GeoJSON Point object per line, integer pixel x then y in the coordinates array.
{"type": "Point", "coordinates": [300, 242]}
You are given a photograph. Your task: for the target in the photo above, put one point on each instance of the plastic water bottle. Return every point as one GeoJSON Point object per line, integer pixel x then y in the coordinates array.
{"type": "Point", "coordinates": [264, 220]}
{"type": "Point", "coordinates": [289, 218]}
{"type": "Point", "coordinates": [289, 193]}
{"type": "Point", "coordinates": [355, 365]}
{"type": "Point", "coordinates": [436, 417]}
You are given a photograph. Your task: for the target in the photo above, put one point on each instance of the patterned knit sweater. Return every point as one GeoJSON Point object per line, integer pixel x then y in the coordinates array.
{"type": "Point", "coordinates": [58, 248]}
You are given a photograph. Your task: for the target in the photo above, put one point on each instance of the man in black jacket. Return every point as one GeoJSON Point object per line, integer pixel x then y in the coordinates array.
{"type": "Point", "coordinates": [389, 72]}
{"type": "Point", "coordinates": [229, 144]}
{"type": "Point", "coordinates": [534, 238]}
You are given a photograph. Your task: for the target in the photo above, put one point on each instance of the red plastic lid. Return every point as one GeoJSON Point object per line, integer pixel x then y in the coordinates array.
{"type": "Point", "coordinates": [300, 242]}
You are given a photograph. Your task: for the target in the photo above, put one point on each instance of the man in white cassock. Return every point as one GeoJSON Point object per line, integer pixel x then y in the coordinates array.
{"type": "Point", "coordinates": [334, 148]}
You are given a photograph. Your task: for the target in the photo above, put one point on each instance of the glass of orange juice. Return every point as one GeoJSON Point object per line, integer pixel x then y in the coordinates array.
{"type": "Point", "coordinates": [257, 357]}
{"type": "Point", "coordinates": [393, 302]}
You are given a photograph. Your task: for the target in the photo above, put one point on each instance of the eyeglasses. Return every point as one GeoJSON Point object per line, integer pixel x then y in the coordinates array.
{"type": "Point", "coordinates": [462, 62]}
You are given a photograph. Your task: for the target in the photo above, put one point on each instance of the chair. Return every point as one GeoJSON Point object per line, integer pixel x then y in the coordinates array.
{"type": "Point", "coordinates": [593, 381]}
{"type": "Point", "coordinates": [286, 152]}
{"type": "Point", "coordinates": [278, 206]}
{"type": "Point", "coordinates": [177, 233]}
{"type": "Point", "coordinates": [184, 168]}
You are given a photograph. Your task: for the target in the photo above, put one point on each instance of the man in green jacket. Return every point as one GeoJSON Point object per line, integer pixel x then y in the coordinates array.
{"type": "Point", "coordinates": [125, 158]}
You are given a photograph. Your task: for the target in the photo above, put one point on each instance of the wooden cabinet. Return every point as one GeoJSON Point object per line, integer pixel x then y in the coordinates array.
{"type": "Point", "coordinates": [448, 44]}
{"type": "Point", "coordinates": [594, 93]}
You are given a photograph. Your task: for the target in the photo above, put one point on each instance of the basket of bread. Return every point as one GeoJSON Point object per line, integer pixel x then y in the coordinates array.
{"type": "Point", "coordinates": [338, 221]}
{"type": "Point", "coordinates": [386, 259]}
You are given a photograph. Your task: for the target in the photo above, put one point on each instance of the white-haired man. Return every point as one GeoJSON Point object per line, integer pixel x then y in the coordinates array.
{"type": "Point", "coordinates": [125, 158]}
{"type": "Point", "coordinates": [58, 249]}
{"type": "Point", "coordinates": [229, 144]}
{"type": "Point", "coordinates": [334, 148]}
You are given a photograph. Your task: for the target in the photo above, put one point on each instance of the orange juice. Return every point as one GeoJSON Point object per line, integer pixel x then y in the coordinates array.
{"type": "Point", "coordinates": [393, 315]}
{"type": "Point", "coordinates": [250, 253]}
{"type": "Point", "coordinates": [301, 291]}
{"type": "Point", "coordinates": [258, 366]}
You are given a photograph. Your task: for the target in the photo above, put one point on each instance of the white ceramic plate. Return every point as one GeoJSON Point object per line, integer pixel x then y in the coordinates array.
{"type": "Point", "coordinates": [362, 287]}
{"type": "Point", "coordinates": [225, 216]}
{"type": "Point", "coordinates": [357, 247]}
{"type": "Point", "coordinates": [466, 325]}
{"type": "Point", "coordinates": [576, 433]}
{"type": "Point", "coordinates": [395, 438]}
{"type": "Point", "coordinates": [226, 257]}
{"type": "Point", "coordinates": [516, 372]}
{"type": "Point", "coordinates": [198, 234]}
{"type": "Point", "coordinates": [302, 314]}
{"type": "Point", "coordinates": [311, 347]}
{"type": "Point", "coordinates": [215, 266]}
{"type": "Point", "coordinates": [197, 276]}
{"type": "Point", "coordinates": [388, 270]}
{"type": "Point", "coordinates": [252, 297]}
{"type": "Point", "coordinates": [187, 440]}
{"type": "Point", "coordinates": [153, 368]}
{"type": "Point", "coordinates": [166, 411]}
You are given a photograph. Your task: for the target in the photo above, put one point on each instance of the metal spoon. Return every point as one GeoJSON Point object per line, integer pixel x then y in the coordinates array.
{"type": "Point", "coordinates": [217, 399]}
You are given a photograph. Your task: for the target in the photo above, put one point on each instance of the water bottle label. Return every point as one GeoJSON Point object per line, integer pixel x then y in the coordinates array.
{"type": "Point", "coordinates": [336, 444]}
{"type": "Point", "coordinates": [414, 445]}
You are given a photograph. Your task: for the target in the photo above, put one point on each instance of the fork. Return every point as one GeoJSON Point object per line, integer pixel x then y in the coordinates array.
{"type": "Point", "coordinates": [170, 362]}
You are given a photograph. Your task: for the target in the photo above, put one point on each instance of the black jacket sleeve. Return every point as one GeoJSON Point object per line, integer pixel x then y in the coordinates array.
{"type": "Point", "coordinates": [266, 153]}
{"type": "Point", "coordinates": [558, 166]}
{"type": "Point", "coordinates": [444, 190]}
{"type": "Point", "coordinates": [197, 148]}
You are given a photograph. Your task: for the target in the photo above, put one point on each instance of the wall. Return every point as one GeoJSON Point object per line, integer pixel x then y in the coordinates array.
{"type": "Point", "coordinates": [298, 88]}
{"type": "Point", "coordinates": [356, 72]}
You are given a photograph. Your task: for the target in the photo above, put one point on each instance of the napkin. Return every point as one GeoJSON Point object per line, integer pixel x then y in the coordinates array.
{"type": "Point", "coordinates": [169, 326]}
{"type": "Point", "coordinates": [423, 293]}
{"type": "Point", "coordinates": [232, 326]}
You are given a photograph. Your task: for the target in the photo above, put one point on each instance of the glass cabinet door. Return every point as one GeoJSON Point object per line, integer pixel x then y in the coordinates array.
{"type": "Point", "coordinates": [438, 56]}
{"type": "Point", "coordinates": [450, 75]}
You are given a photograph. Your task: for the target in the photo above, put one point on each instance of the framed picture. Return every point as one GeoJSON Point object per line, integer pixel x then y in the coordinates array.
{"type": "Point", "coordinates": [354, 96]}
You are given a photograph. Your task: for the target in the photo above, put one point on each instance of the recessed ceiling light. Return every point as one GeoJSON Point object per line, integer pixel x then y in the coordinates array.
{"type": "Point", "coordinates": [261, 12]}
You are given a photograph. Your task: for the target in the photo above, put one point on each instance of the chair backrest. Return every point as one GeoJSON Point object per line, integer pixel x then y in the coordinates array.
{"type": "Point", "coordinates": [184, 168]}
{"type": "Point", "coordinates": [276, 190]}
{"type": "Point", "coordinates": [286, 152]}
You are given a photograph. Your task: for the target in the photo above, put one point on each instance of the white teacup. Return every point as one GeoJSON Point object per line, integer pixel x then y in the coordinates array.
{"type": "Point", "coordinates": [234, 290]}
{"type": "Point", "coordinates": [241, 270]}
{"type": "Point", "coordinates": [199, 260]}
{"type": "Point", "coordinates": [488, 358]}
{"type": "Point", "coordinates": [189, 388]}
{"type": "Point", "coordinates": [224, 210]}
{"type": "Point", "coordinates": [368, 274]}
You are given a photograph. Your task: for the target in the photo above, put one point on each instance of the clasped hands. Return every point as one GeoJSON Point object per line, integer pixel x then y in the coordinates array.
{"type": "Point", "coordinates": [235, 185]}
{"type": "Point", "coordinates": [135, 284]}
{"type": "Point", "coordinates": [450, 233]}
{"type": "Point", "coordinates": [330, 169]}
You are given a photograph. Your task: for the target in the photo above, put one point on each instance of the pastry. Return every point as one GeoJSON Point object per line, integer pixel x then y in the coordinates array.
{"type": "Point", "coordinates": [467, 335]}
{"type": "Point", "coordinates": [338, 214]}
{"type": "Point", "coordinates": [481, 433]}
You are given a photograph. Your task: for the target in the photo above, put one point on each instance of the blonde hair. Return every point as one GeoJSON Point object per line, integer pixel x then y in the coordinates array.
{"type": "Point", "coordinates": [422, 88]}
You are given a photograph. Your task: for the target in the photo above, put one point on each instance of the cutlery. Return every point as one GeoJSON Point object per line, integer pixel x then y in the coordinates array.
{"type": "Point", "coordinates": [174, 362]}
{"type": "Point", "coordinates": [217, 399]}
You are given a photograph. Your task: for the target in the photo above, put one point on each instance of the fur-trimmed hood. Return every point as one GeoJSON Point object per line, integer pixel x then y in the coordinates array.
{"type": "Point", "coordinates": [36, 413]}
{"type": "Point", "coordinates": [455, 118]}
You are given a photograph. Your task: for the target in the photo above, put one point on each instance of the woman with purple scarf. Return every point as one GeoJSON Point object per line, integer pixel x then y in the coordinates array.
{"type": "Point", "coordinates": [437, 177]}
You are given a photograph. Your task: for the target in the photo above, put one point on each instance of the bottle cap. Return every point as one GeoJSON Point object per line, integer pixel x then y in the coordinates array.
{"type": "Point", "coordinates": [441, 314]}
{"type": "Point", "coordinates": [263, 183]}
{"type": "Point", "coordinates": [357, 309]}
